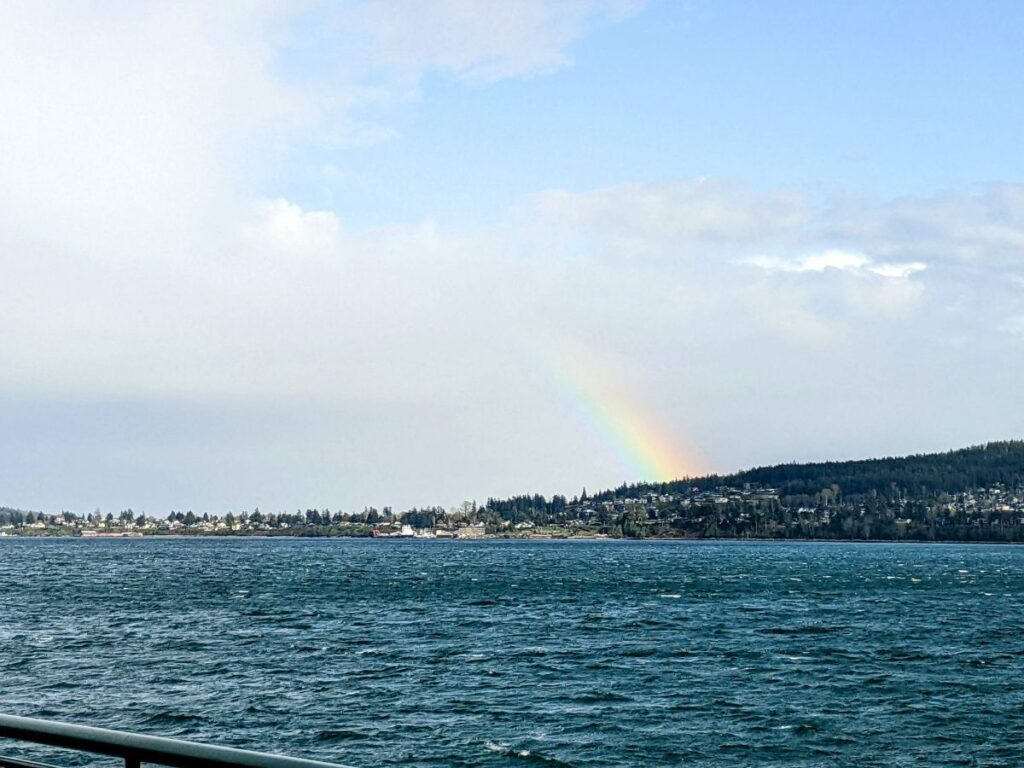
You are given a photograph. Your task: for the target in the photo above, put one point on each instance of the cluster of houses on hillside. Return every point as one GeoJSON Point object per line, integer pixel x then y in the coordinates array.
{"type": "Point", "coordinates": [95, 525]}
{"type": "Point", "coordinates": [981, 504]}
{"type": "Point", "coordinates": [977, 504]}
{"type": "Point", "coordinates": [691, 498]}
{"type": "Point", "coordinates": [990, 513]}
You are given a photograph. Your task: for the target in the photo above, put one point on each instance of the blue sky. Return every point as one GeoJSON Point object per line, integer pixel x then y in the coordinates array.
{"type": "Point", "coordinates": [880, 99]}
{"type": "Point", "coordinates": [392, 252]}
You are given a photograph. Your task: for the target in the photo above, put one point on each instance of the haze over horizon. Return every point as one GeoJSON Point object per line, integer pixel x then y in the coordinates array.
{"type": "Point", "coordinates": [297, 254]}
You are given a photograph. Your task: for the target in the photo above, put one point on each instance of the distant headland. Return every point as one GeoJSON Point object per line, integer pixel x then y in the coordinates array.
{"type": "Point", "coordinates": [973, 494]}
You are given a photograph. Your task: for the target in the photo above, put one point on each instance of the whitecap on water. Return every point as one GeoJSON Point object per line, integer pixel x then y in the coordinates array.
{"type": "Point", "coordinates": [505, 749]}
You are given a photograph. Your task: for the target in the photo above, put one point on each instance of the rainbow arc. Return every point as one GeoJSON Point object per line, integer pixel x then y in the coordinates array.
{"type": "Point", "coordinates": [611, 412]}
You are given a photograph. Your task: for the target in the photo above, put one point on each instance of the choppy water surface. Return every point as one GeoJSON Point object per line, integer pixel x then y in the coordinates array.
{"type": "Point", "coordinates": [488, 653]}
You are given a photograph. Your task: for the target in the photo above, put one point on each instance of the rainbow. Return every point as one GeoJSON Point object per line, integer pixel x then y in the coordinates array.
{"type": "Point", "coordinates": [610, 414]}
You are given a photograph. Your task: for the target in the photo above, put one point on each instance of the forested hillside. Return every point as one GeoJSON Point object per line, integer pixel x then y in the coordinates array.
{"type": "Point", "coordinates": [972, 494]}
{"type": "Point", "coordinates": [980, 466]}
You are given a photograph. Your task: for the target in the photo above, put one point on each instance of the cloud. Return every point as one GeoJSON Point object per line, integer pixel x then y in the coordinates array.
{"type": "Point", "coordinates": [440, 331]}
{"type": "Point", "coordinates": [834, 258]}
{"type": "Point", "coordinates": [983, 226]}
{"type": "Point", "coordinates": [474, 39]}
{"type": "Point", "coordinates": [136, 244]}
{"type": "Point", "coordinates": [144, 128]}
{"type": "Point", "coordinates": [287, 230]}
{"type": "Point", "coordinates": [677, 218]}
{"type": "Point", "coordinates": [156, 278]}
{"type": "Point", "coordinates": [129, 133]}
{"type": "Point", "coordinates": [897, 271]}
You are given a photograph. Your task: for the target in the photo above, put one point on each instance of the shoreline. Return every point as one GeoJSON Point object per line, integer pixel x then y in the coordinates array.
{"type": "Point", "coordinates": [504, 539]}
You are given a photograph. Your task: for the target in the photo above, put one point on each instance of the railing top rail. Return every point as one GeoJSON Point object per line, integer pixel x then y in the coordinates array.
{"type": "Point", "coordinates": [174, 753]}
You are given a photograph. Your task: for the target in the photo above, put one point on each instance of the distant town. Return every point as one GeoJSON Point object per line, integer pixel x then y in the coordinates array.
{"type": "Point", "coordinates": [918, 498]}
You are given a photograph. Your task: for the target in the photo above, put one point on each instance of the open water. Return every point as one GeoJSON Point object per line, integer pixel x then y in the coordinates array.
{"type": "Point", "coordinates": [377, 653]}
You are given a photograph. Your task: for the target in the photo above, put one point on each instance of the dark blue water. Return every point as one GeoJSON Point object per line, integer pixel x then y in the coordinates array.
{"type": "Point", "coordinates": [492, 654]}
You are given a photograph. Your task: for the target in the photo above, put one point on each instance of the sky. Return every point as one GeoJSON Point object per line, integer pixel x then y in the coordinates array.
{"type": "Point", "coordinates": [306, 254]}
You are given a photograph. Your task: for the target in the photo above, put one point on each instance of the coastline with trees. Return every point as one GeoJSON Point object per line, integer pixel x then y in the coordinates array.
{"type": "Point", "coordinates": [973, 494]}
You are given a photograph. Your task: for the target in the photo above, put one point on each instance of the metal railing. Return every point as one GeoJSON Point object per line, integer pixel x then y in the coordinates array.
{"type": "Point", "coordinates": [135, 748]}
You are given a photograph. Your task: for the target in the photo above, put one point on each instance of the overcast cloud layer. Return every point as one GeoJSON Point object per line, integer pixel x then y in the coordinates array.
{"type": "Point", "coordinates": [180, 331]}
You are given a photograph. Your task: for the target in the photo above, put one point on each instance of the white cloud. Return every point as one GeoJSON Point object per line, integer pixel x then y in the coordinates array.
{"type": "Point", "coordinates": [137, 251]}
{"type": "Point", "coordinates": [677, 218]}
{"type": "Point", "coordinates": [287, 230]}
{"type": "Point", "coordinates": [446, 327]}
{"type": "Point", "coordinates": [838, 259]}
{"type": "Point", "coordinates": [818, 262]}
{"type": "Point", "coordinates": [141, 262]}
{"type": "Point", "coordinates": [897, 270]}
{"type": "Point", "coordinates": [475, 39]}
{"type": "Point", "coordinates": [133, 130]}
{"type": "Point", "coordinates": [984, 226]}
